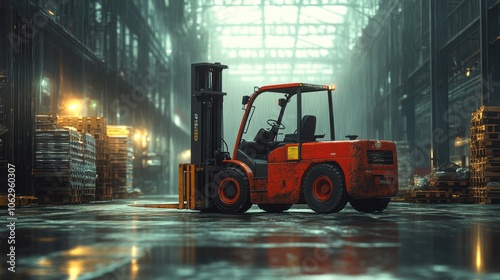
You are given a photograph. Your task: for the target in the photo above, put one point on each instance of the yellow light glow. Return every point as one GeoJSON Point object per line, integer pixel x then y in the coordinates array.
{"type": "Point", "coordinates": [44, 262]}
{"type": "Point", "coordinates": [73, 107]}
{"type": "Point", "coordinates": [74, 269]}
{"type": "Point", "coordinates": [77, 251]}
{"type": "Point", "coordinates": [186, 155]}
{"type": "Point", "coordinates": [467, 72]}
{"type": "Point", "coordinates": [133, 251]}
{"type": "Point", "coordinates": [137, 136]}
{"type": "Point", "coordinates": [479, 244]}
{"type": "Point", "coordinates": [332, 87]}
{"type": "Point", "coordinates": [51, 12]}
{"type": "Point", "coordinates": [479, 257]}
{"type": "Point", "coordinates": [134, 266]}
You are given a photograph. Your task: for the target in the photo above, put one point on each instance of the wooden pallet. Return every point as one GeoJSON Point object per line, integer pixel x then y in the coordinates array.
{"type": "Point", "coordinates": [88, 191]}
{"type": "Point", "coordinates": [59, 199]}
{"type": "Point", "coordinates": [120, 195]}
{"type": "Point", "coordinates": [486, 173]}
{"type": "Point", "coordinates": [21, 200]}
{"type": "Point", "coordinates": [103, 197]}
{"type": "Point", "coordinates": [88, 198]}
{"type": "Point", "coordinates": [450, 183]}
{"type": "Point", "coordinates": [104, 191]}
{"type": "Point", "coordinates": [477, 181]}
{"type": "Point", "coordinates": [486, 200]}
{"type": "Point", "coordinates": [437, 196]}
{"type": "Point", "coordinates": [485, 152]}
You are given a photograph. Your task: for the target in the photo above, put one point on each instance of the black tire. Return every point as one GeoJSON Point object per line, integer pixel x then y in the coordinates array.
{"type": "Point", "coordinates": [275, 208]}
{"type": "Point", "coordinates": [370, 205]}
{"type": "Point", "coordinates": [324, 189]}
{"type": "Point", "coordinates": [231, 191]}
{"type": "Point", "coordinates": [342, 203]}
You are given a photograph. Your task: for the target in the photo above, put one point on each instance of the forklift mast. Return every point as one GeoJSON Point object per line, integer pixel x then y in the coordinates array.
{"type": "Point", "coordinates": [207, 151]}
{"type": "Point", "coordinates": [206, 113]}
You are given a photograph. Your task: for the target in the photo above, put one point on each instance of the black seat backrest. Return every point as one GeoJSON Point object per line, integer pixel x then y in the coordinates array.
{"type": "Point", "coordinates": [308, 128]}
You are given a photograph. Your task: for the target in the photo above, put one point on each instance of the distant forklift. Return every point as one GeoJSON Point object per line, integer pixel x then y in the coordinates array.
{"type": "Point", "coordinates": [274, 166]}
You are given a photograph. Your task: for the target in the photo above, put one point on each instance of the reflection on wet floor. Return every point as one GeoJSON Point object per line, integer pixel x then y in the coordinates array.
{"type": "Point", "coordinates": [116, 241]}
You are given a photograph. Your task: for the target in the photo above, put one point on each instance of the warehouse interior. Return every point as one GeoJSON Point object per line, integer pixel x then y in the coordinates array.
{"type": "Point", "coordinates": [129, 63]}
{"type": "Point", "coordinates": [421, 73]}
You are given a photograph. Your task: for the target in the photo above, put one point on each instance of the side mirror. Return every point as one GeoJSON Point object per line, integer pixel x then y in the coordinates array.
{"type": "Point", "coordinates": [282, 102]}
{"type": "Point", "coordinates": [245, 99]}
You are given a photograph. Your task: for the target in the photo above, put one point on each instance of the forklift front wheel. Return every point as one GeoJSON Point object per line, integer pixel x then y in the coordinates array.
{"type": "Point", "coordinates": [232, 191]}
{"type": "Point", "coordinates": [324, 189]}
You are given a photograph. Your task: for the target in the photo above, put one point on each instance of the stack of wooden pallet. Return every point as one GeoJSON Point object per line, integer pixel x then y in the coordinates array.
{"type": "Point", "coordinates": [95, 126]}
{"type": "Point", "coordinates": [59, 169]}
{"type": "Point", "coordinates": [447, 184]}
{"type": "Point", "coordinates": [89, 160]}
{"type": "Point", "coordinates": [485, 155]}
{"type": "Point", "coordinates": [46, 121]}
{"type": "Point", "coordinates": [121, 157]}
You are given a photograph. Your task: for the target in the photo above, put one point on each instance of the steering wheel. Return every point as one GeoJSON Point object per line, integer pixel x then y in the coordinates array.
{"type": "Point", "coordinates": [274, 123]}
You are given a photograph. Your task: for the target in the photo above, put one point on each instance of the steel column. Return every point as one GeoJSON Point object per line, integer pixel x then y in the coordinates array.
{"type": "Point", "coordinates": [490, 52]}
{"type": "Point", "coordinates": [440, 150]}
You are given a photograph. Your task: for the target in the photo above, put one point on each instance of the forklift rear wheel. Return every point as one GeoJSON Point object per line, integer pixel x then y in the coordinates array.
{"type": "Point", "coordinates": [370, 205]}
{"type": "Point", "coordinates": [275, 208]}
{"type": "Point", "coordinates": [342, 203]}
{"type": "Point", "coordinates": [324, 189]}
{"type": "Point", "coordinates": [232, 191]}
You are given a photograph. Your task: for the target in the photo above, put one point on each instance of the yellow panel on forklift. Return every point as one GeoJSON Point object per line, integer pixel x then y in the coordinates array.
{"type": "Point", "coordinates": [293, 153]}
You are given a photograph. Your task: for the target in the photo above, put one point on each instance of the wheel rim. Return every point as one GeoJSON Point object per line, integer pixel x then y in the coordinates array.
{"type": "Point", "coordinates": [229, 190]}
{"type": "Point", "coordinates": [322, 188]}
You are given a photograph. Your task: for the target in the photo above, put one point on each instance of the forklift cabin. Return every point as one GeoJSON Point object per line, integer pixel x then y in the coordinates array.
{"type": "Point", "coordinates": [255, 152]}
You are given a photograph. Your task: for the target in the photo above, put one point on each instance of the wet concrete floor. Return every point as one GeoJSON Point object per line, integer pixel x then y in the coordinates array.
{"type": "Point", "coordinates": [116, 241]}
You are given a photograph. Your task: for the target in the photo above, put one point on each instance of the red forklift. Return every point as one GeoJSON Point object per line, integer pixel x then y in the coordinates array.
{"type": "Point", "coordinates": [285, 153]}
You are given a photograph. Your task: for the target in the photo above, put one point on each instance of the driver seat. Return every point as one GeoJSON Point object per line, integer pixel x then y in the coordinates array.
{"type": "Point", "coordinates": [307, 130]}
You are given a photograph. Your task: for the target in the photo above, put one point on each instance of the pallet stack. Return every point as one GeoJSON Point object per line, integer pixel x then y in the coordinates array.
{"type": "Point", "coordinates": [446, 184]}
{"type": "Point", "coordinates": [3, 129]}
{"type": "Point", "coordinates": [404, 166]}
{"type": "Point", "coordinates": [485, 155]}
{"type": "Point", "coordinates": [89, 165]}
{"type": "Point", "coordinates": [59, 169]}
{"type": "Point", "coordinates": [46, 121]}
{"type": "Point", "coordinates": [95, 126]}
{"type": "Point", "coordinates": [121, 157]}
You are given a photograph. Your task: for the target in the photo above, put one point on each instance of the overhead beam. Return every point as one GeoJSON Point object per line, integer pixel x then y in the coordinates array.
{"type": "Point", "coordinates": [281, 3]}
{"type": "Point", "coordinates": [278, 31]}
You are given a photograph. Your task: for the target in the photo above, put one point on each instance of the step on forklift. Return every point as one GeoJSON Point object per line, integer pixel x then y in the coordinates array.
{"type": "Point", "coordinates": [285, 153]}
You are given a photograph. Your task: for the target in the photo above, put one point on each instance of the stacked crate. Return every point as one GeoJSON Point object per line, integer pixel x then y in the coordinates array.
{"type": "Point", "coordinates": [485, 155]}
{"type": "Point", "coordinates": [3, 129]}
{"type": "Point", "coordinates": [95, 126]}
{"type": "Point", "coordinates": [446, 184]}
{"type": "Point", "coordinates": [121, 157]}
{"type": "Point", "coordinates": [89, 164]}
{"type": "Point", "coordinates": [59, 170]}
{"type": "Point", "coordinates": [46, 121]}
